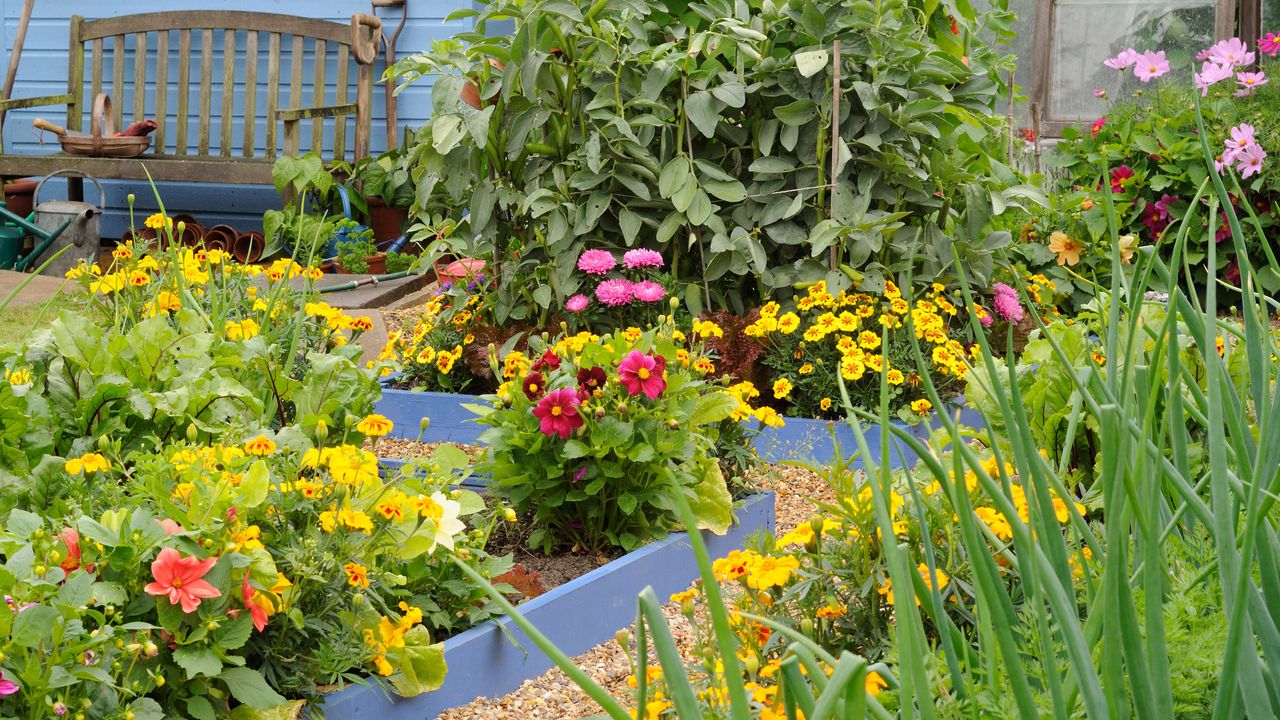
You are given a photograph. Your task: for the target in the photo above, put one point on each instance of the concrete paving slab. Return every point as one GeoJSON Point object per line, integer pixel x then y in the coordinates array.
{"type": "Point", "coordinates": [40, 290]}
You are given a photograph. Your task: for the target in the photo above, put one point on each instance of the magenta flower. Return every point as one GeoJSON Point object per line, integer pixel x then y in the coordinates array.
{"type": "Point", "coordinates": [641, 373]}
{"type": "Point", "coordinates": [557, 413]}
{"type": "Point", "coordinates": [1119, 177]}
{"type": "Point", "coordinates": [1100, 93]}
{"type": "Point", "coordinates": [577, 303]}
{"type": "Point", "coordinates": [1210, 74]}
{"type": "Point", "coordinates": [1269, 44]}
{"type": "Point", "coordinates": [1231, 273]}
{"type": "Point", "coordinates": [1124, 59]}
{"type": "Point", "coordinates": [7, 687]}
{"type": "Point", "coordinates": [1249, 82]}
{"type": "Point", "coordinates": [1150, 65]}
{"type": "Point", "coordinates": [1231, 52]}
{"type": "Point", "coordinates": [1249, 161]}
{"type": "Point", "coordinates": [1156, 214]}
{"type": "Point", "coordinates": [1097, 126]}
{"type": "Point", "coordinates": [615, 292]}
{"type": "Point", "coordinates": [648, 291]}
{"type": "Point", "coordinates": [642, 258]}
{"type": "Point", "coordinates": [1006, 303]}
{"type": "Point", "coordinates": [596, 262]}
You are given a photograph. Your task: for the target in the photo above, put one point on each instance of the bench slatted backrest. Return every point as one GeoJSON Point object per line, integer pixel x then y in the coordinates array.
{"type": "Point", "coordinates": [218, 53]}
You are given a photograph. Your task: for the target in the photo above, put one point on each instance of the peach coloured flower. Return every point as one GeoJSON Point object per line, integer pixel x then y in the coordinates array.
{"type": "Point", "coordinates": [182, 579]}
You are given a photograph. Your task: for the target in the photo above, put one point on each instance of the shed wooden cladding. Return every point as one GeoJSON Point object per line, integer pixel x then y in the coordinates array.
{"type": "Point", "coordinates": [203, 76]}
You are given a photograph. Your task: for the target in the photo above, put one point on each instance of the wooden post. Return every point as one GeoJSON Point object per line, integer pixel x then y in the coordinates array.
{"type": "Point", "coordinates": [835, 141]}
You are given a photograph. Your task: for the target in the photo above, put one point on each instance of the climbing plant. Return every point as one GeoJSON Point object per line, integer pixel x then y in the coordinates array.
{"type": "Point", "coordinates": [704, 130]}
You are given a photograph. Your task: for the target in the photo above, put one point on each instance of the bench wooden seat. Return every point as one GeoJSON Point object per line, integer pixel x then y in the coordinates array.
{"type": "Point", "coordinates": [197, 139]}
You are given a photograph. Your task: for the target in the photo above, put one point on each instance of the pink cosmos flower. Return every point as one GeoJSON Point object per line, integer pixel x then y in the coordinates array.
{"type": "Point", "coordinates": [1150, 65]}
{"type": "Point", "coordinates": [1097, 126]}
{"type": "Point", "coordinates": [1231, 52]}
{"type": "Point", "coordinates": [1100, 93]}
{"type": "Point", "coordinates": [1269, 44]}
{"type": "Point", "coordinates": [7, 687]}
{"type": "Point", "coordinates": [1124, 59]}
{"type": "Point", "coordinates": [642, 258]}
{"type": "Point", "coordinates": [1006, 303]}
{"type": "Point", "coordinates": [641, 373]}
{"type": "Point", "coordinates": [577, 303]}
{"type": "Point", "coordinates": [182, 579]}
{"type": "Point", "coordinates": [648, 291]}
{"type": "Point", "coordinates": [596, 262]}
{"type": "Point", "coordinates": [557, 413]}
{"type": "Point", "coordinates": [1119, 177]}
{"type": "Point", "coordinates": [615, 292]}
{"type": "Point", "coordinates": [1249, 161]}
{"type": "Point", "coordinates": [1249, 82]}
{"type": "Point", "coordinates": [1242, 138]}
{"type": "Point", "coordinates": [1210, 74]}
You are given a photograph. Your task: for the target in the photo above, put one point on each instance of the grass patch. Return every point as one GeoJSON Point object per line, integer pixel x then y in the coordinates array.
{"type": "Point", "coordinates": [20, 320]}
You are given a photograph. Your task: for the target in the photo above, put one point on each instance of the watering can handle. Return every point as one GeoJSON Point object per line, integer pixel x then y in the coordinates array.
{"type": "Point", "coordinates": [102, 194]}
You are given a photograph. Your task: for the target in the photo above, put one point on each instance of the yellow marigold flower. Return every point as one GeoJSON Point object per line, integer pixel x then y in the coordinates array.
{"type": "Point", "coordinates": [874, 363]}
{"type": "Point", "coordinates": [159, 221]}
{"type": "Point", "coordinates": [769, 417]}
{"type": "Point", "coordinates": [921, 406]}
{"type": "Point", "coordinates": [329, 520]}
{"type": "Point", "coordinates": [357, 575]}
{"type": "Point", "coordinates": [869, 339]}
{"type": "Point", "coordinates": [801, 535]}
{"type": "Point", "coordinates": [243, 330]}
{"type": "Point", "coordinates": [445, 361]}
{"type": "Point", "coordinates": [689, 595]}
{"type": "Point", "coordinates": [899, 306]}
{"type": "Point", "coordinates": [782, 388]}
{"type": "Point", "coordinates": [996, 521]}
{"type": "Point", "coordinates": [768, 571]}
{"type": "Point", "coordinates": [361, 323]}
{"type": "Point", "coordinates": [88, 463]}
{"type": "Point", "coordinates": [249, 538]}
{"type": "Point", "coordinates": [375, 425]}
{"type": "Point", "coordinates": [832, 611]}
{"type": "Point", "coordinates": [704, 366]}
{"type": "Point", "coordinates": [108, 284]}
{"type": "Point", "coordinates": [851, 368]}
{"type": "Point", "coordinates": [165, 302]}
{"type": "Point", "coordinates": [390, 509]}
{"type": "Point", "coordinates": [788, 323]}
{"type": "Point", "coordinates": [122, 252]}
{"type": "Point", "coordinates": [260, 445]}
{"type": "Point", "coordinates": [848, 321]}
{"type": "Point", "coordinates": [356, 520]}
{"type": "Point", "coordinates": [707, 328]}
{"type": "Point", "coordinates": [875, 683]}
{"type": "Point", "coordinates": [770, 309]}
{"type": "Point", "coordinates": [806, 369]}
{"type": "Point", "coordinates": [732, 566]}
{"type": "Point", "coordinates": [824, 404]}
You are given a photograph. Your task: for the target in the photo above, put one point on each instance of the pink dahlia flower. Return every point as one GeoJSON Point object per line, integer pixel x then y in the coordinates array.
{"type": "Point", "coordinates": [642, 258]}
{"type": "Point", "coordinates": [596, 262]}
{"type": "Point", "coordinates": [615, 292]}
{"type": "Point", "coordinates": [648, 291]}
{"type": "Point", "coordinates": [557, 413]}
{"type": "Point", "coordinates": [1119, 177]}
{"type": "Point", "coordinates": [641, 373]}
{"type": "Point", "coordinates": [577, 303]}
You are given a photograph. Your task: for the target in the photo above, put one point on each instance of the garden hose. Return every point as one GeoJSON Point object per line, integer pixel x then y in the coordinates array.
{"type": "Point", "coordinates": [371, 280]}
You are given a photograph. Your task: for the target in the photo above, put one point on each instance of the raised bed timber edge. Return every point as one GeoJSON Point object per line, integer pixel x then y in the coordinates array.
{"type": "Point", "coordinates": [799, 439]}
{"type": "Point", "coordinates": [486, 661]}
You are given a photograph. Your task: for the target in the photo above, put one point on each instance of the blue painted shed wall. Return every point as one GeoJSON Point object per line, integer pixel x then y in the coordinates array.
{"type": "Point", "coordinates": [43, 71]}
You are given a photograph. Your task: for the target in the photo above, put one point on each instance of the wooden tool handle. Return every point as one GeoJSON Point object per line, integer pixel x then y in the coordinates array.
{"type": "Point", "coordinates": [42, 124]}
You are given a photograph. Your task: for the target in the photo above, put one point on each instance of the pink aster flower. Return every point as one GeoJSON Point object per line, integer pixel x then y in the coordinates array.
{"type": "Point", "coordinates": [1210, 74]}
{"type": "Point", "coordinates": [1006, 303]}
{"type": "Point", "coordinates": [1231, 52]}
{"type": "Point", "coordinates": [1249, 161]}
{"type": "Point", "coordinates": [1097, 126]}
{"type": "Point", "coordinates": [1150, 65]}
{"type": "Point", "coordinates": [557, 413]}
{"type": "Point", "coordinates": [642, 258]}
{"type": "Point", "coordinates": [1269, 44]}
{"type": "Point", "coordinates": [596, 262]}
{"type": "Point", "coordinates": [615, 292]}
{"type": "Point", "coordinates": [577, 303]}
{"type": "Point", "coordinates": [648, 291]}
{"type": "Point", "coordinates": [641, 373]}
{"type": "Point", "coordinates": [1124, 59]}
{"type": "Point", "coordinates": [1249, 82]}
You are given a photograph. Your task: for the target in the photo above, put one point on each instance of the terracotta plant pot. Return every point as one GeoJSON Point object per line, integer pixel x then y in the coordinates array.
{"type": "Point", "coordinates": [377, 265]}
{"type": "Point", "coordinates": [386, 222]}
{"type": "Point", "coordinates": [220, 237]}
{"type": "Point", "coordinates": [18, 196]}
{"type": "Point", "coordinates": [248, 247]}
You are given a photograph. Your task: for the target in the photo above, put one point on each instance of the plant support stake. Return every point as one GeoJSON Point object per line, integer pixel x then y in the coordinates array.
{"type": "Point", "coordinates": [835, 141]}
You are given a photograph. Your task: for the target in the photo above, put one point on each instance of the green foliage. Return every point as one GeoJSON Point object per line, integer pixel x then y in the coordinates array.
{"type": "Point", "coordinates": [385, 177]}
{"type": "Point", "coordinates": [704, 131]}
{"type": "Point", "coordinates": [610, 483]}
{"type": "Point", "coordinates": [400, 262]}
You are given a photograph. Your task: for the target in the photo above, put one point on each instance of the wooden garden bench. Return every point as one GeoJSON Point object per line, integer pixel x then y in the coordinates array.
{"type": "Point", "coordinates": [318, 71]}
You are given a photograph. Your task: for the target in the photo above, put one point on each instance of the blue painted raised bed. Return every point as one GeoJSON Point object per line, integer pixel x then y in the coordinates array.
{"type": "Point", "coordinates": [576, 616]}
{"type": "Point", "coordinates": [799, 439]}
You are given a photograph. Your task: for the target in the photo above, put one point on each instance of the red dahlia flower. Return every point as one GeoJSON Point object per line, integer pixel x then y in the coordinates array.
{"type": "Point", "coordinates": [549, 360]}
{"type": "Point", "coordinates": [640, 373]}
{"type": "Point", "coordinates": [534, 385]}
{"type": "Point", "coordinates": [592, 378]}
{"type": "Point", "coordinates": [558, 413]}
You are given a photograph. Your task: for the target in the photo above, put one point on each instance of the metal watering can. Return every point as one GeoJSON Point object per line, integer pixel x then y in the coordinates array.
{"type": "Point", "coordinates": [75, 225]}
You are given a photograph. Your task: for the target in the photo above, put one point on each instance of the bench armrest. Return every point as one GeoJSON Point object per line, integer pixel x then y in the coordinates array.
{"type": "Point", "coordinates": [322, 111]}
{"type": "Point", "coordinates": [17, 103]}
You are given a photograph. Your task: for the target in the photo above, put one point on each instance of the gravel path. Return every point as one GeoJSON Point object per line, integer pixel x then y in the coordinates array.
{"type": "Point", "coordinates": [552, 696]}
